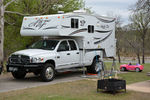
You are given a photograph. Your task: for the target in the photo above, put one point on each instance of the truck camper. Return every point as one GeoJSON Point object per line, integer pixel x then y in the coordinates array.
{"type": "Point", "coordinates": [70, 40]}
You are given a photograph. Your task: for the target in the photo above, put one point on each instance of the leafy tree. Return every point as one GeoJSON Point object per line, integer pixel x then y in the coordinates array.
{"type": "Point", "coordinates": [140, 22]}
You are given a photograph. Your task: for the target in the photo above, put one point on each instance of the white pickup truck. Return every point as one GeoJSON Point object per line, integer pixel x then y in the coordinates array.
{"type": "Point", "coordinates": [47, 56]}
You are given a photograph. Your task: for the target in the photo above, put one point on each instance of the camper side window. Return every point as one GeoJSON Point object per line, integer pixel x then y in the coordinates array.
{"type": "Point", "coordinates": [74, 23]}
{"type": "Point", "coordinates": [90, 28]}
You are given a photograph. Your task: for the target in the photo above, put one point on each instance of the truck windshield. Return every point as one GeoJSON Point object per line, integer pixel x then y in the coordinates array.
{"type": "Point", "coordinates": [44, 44]}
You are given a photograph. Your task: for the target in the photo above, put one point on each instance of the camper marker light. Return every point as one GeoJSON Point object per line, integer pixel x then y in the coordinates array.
{"type": "Point", "coordinates": [58, 17]}
{"type": "Point", "coordinates": [41, 17]}
{"type": "Point", "coordinates": [63, 17]}
{"type": "Point", "coordinates": [36, 18]}
{"type": "Point", "coordinates": [46, 17]}
{"type": "Point", "coordinates": [25, 18]}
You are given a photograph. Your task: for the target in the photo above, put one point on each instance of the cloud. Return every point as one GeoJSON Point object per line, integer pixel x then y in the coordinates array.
{"type": "Point", "coordinates": [116, 7]}
{"type": "Point", "coordinates": [111, 1]}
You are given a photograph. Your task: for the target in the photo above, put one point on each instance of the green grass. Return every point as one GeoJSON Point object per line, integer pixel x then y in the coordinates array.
{"type": "Point", "coordinates": [132, 76]}
{"type": "Point", "coordinates": [80, 90]}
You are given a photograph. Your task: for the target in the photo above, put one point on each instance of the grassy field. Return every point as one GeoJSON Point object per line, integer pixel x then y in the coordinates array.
{"type": "Point", "coordinates": [132, 76]}
{"type": "Point", "coordinates": [80, 90]}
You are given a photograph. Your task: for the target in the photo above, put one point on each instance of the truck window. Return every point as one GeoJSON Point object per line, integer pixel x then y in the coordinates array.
{"type": "Point", "coordinates": [72, 45]}
{"type": "Point", "coordinates": [90, 28]}
{"type": "Point", "coordinates": [63, 46]}
{"type": "Point", "coordinates": [44, 44]}
{"type": "Point", "coordinates": [74, 23]}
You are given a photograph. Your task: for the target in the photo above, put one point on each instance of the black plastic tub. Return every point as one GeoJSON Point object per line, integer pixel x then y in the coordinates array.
{"type": "Point", "coordinates": [112, 85]}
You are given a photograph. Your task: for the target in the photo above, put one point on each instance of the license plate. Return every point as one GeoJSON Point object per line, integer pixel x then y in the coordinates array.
{"type": "Point", "coordinates": [13, 69]}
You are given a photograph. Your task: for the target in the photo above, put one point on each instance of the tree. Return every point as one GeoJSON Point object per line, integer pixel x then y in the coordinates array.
{"type": "Point", "coordinates": [142, 13]}
{"type": "Point", "coordinates": [142, 5]}
{"type": "Point", "coordinates": [140, 22]}
{"type": "Point", "coordinates": [133, 41]}
{"type": "Point", "coordinates": [2, 11]}
{"type": "Point", "coordinates": [118, 35]}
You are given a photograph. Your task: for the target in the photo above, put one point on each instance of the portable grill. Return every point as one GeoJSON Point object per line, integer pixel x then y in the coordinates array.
{"type": "Point", "coordinates": [111, 85]}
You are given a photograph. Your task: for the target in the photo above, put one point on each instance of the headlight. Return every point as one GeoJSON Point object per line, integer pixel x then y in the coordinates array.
{"type": "Point", "coordinates": [36, 60]}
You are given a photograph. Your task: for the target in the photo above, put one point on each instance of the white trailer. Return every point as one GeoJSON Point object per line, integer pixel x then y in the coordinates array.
{"type": "Point", "coordinates": [92, 34]}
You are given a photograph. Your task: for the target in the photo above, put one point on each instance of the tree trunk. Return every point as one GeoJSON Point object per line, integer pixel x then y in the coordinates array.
{"type": "Point", "coordinates": [143, 51]}
{"type": "Point", "coordinates": [118, 52]}
{"type": "Point", "coordinates": [119, 56]}
{"type": "Point", "coordinates": [138, 57]}
{"type": "Point", "coordinates": [1, 31]}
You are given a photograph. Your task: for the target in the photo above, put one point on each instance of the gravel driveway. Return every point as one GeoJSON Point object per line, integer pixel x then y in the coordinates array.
{"type": "Point", "coordinates": [8, 83]}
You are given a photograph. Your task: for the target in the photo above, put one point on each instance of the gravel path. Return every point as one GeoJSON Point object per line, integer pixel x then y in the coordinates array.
{"type": "Point", "coordinates": [8, 83]}
{"type": "Point", "coordinates": [140, 86]}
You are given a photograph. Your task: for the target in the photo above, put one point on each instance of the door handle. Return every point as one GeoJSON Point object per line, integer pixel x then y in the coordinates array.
{"type": "Point", "coordinates": [77, 53]}
{"type": "Point", "coordinates": [68, 53]}
{"type": "Point", "coordinates": [58, 56]}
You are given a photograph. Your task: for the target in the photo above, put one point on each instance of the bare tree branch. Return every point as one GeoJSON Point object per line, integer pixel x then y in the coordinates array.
{"type": "Point", "coordinates": [21, 14]}
{"type": "Point", "coordinates": [9, 22]}
{"type": "Point", "coordinates": [8, 3]}
{"type": "Point", "coordinates": [18, 13]}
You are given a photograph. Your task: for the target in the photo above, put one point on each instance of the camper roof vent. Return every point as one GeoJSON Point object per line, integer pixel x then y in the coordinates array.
{"type": "Point", "coordinates": [80, 11]}
{"type": "Point", "coordinates": [60, 12]}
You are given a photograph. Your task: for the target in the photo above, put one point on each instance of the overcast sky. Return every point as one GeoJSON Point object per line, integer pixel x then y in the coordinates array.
{"type": "Point", "coordinates": [117, 7]}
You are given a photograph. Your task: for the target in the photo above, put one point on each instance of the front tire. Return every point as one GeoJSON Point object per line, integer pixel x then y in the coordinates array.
{"type": "Point", "coordinates": [48, 73]}
{"type": "Point", "coordinates": [19, 74]}
{"type": "Point", "coordinates": [123, 69]}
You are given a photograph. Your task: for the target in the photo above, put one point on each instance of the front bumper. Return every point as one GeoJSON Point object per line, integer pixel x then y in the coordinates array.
{"type": "Point", "coordinates": [26, 67]}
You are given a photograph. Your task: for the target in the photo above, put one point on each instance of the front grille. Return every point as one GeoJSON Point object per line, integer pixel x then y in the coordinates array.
{"type": "Point", "coordinates": [17, 59]}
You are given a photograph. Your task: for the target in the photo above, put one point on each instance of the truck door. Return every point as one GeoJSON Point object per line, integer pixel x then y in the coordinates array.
{"type": "Point", "coordinates": [63, 59]}
{"type": "Point", "coordinates": [74, 53]}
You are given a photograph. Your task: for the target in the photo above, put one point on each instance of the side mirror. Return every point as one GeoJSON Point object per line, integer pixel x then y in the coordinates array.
{"type": "Point", "coordinates": [27, 46]}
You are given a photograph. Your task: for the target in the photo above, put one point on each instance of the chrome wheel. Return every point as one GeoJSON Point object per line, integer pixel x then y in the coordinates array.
{"type": "Point", "coordinates": [49, 73]}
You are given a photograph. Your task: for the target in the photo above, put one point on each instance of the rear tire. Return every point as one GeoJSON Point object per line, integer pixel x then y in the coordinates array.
{"type": "Point", "coordinates": [94, 67]}
{"type": "Point", "coordinates": [48, 73]}
{"type": "Point", "coordinates": [19, 74]}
